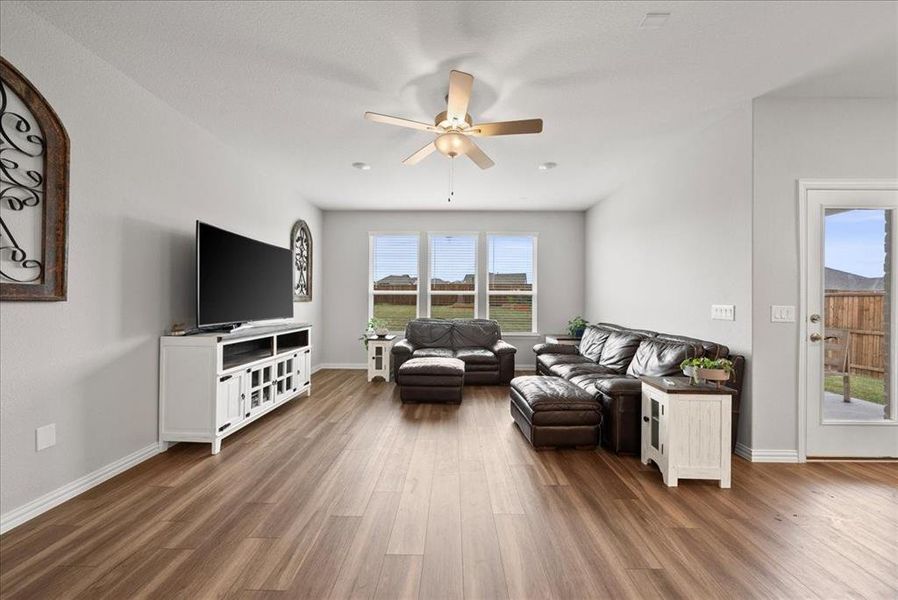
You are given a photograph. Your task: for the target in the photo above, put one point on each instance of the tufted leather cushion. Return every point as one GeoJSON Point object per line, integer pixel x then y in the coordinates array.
{"type": "Point", "coordinates": [570, 370]}
{"type": "Point", "coordinates": [477, 356]}
{"type": "Point", "coordinates": [429, 333]}
{"type": "Point", "coordinates": [622, 329]}
{"type": "Point", "coordinates": [554, 349]}
{"type": "Point", "coordinates": [592, 342]}
{"type": "Point", "coordinates": [468, 333]}
{"type": "Point", "coordinates": [709, 349]}
{"type": "Point", "coordinates": [588, 381]}
{"type": "Point", "coordinates": [550, 360]}
{"type": "Point", "coordinates": [658, 358]}
{"type": "Point", "coordinates": [432, 372]}
{"type": "Point", "coordinates": [434, 353]}
{"type": "Point", "coordinates": [619, 349]}
{"type": "Point", "coordinates": [557, 400]}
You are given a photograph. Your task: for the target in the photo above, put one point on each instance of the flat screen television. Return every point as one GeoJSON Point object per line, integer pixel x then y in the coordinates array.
{"type": "Point", "coordinates": [239, 279]}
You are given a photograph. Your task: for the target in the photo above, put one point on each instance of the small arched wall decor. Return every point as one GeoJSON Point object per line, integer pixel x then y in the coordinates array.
{"type": "Point", "coordinates": [301, 245]}
{"type": "Point", "coordinates": [34, 185]}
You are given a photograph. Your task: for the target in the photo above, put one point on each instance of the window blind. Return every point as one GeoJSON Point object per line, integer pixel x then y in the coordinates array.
{"type": "Point", "coordinates": [512, 282]}
{"type": "Point", "coordinates": [453, 276]}
{"type": "Point", "coordinates": [393, 292]}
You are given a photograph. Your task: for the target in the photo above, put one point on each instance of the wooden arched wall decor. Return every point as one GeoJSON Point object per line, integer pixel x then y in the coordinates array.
{"type": "Point", "coordinates": [301, 245]}
{"type": "Point", "coordinates": [34, 186]}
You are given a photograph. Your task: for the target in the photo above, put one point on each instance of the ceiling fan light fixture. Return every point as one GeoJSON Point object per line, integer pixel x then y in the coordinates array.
{"type": "Point", "coordinates": [450, 144]}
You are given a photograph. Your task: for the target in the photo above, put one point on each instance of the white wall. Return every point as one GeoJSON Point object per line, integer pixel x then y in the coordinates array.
{"type": "Point", "coordinates": [559, 269]}
{"type": "Point", "coordinates": [141, 173]}
{"type": "Point", "coordinates": [677, 239]}
{"type": "Point", "coordinates": [800, 138]}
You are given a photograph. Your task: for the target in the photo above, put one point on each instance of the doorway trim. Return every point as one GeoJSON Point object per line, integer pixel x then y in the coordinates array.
{"type": "Point", "coordinates": [805, 186]}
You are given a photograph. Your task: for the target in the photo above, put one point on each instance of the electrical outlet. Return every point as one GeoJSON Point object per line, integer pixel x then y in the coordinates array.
{"type": "Point", "coordinates": [723, 312]}
{"type": "Point", "coordinates": [782, 313]}
{"type": "Point", "coordinates": [45, 437]}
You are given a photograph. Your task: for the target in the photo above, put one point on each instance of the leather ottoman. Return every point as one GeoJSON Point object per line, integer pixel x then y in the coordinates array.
{"type": "Point", "coordinates": [431, 379]}
{"type": "Point", "coordinates": [553, 412]}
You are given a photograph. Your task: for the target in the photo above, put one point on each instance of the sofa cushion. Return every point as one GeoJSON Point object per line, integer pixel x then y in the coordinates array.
{"type": "Point", "coordinates": [709, 349]}
{"type": "Point", "coordinates": [434, 353]}
{"type": "Point", "coordinates": [622, 329]}
{"type": "Point", "coordinates": [429, 333]}
{"type": "Point", "coordinates": [567, 371]}
{"type": "Point", "coordinates": [475, 333]}
{"type": "Point", "coordinates": [592, 342]}
{"type": "Point", "coordinates": [480, 356]}
{"type": "Point", "coordinates": [588, 381]}
{"type": "Point", "coordinates": [550, 360]}
{"type": "Point", "coordinates": [619, 349]}
{"type": "Point", "coordinates": [658, 358]}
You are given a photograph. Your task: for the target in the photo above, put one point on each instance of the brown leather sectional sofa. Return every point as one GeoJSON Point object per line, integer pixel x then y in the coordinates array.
{"type": "Point", "coordinates": [476, 342]}
{"type": "Point", "coordinates": [608, 364]}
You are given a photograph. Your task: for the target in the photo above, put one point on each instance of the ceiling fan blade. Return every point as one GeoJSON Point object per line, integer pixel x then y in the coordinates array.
{"type": "Point", "coordinates": [460, 85]}
{"type": "Point", "coordinates": [507, 127]}
{"type": "Point", "coordinates": [474, 152]}
{"type": "Point", "coordinates": [420, 154]}
{"type": "Point", "coordinates": [387, 119]}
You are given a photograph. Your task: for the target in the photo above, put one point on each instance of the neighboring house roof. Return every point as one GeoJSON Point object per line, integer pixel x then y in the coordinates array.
{"type": "Point", "coordinates": [843, 280]}
{"type": "Point", "coordinates": [397, 280]}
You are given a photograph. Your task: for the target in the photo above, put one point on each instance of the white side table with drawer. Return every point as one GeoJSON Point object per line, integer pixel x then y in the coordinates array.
{"type": "Point", "coordinates": [686, 429]}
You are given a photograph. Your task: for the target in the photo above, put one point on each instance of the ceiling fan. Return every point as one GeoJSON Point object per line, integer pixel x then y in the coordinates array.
{"type": "Point", "coordinates": [454, 127]}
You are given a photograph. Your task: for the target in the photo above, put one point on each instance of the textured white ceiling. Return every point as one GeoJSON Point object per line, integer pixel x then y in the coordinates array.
{"type": "Point", "coordinates": [287, 83]}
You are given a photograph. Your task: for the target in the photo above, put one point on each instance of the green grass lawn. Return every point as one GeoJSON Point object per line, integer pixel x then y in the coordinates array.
{"type": "Point", "coordinates": [397, 315]}
{"type": "Point", "coordinates": [864, 388]}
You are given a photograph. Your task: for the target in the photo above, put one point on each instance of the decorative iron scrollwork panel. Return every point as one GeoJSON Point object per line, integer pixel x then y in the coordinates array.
{"type": "Point", "coordinates": [34, 163]}
{"type": "Point", "coordinates": [301, 245]}
{"type": "Point", "coordinates": [22, 150]}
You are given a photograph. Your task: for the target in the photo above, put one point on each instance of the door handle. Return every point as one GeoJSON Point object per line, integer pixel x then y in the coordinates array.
{"type": "Point", "coordinates": [816, 337]}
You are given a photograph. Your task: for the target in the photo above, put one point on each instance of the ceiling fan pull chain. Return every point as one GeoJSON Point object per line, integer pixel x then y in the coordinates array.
{"type": "Point", "coordinates": [451, 179]}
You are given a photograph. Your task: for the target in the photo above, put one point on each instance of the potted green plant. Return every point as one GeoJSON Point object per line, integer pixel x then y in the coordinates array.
{"type": "Point", "coordinates": [717, 370]}
{"type": "Point", "coordinates": [577, 326]}
{"type": "Point", "coordinates": [377, 327]}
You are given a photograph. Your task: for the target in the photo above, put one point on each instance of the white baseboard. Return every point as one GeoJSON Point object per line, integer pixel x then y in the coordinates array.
{"type": "Point", "coordinates": [766, 456]}
{"type": "Point", "coordinates": [40, 505]}
{"type": "Point", "coordinates": [359, 366]}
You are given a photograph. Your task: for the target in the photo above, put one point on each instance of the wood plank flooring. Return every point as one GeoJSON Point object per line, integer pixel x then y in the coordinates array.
{"type": "Point", "coordinates": [350, 494]}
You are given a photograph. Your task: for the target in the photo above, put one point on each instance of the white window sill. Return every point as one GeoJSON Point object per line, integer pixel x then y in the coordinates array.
{"type": "Point", "coordinates": [521, 334]}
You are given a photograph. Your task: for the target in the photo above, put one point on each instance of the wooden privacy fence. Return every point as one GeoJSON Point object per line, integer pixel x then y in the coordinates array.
{"type": "Point", "coordinates": [861, 313]}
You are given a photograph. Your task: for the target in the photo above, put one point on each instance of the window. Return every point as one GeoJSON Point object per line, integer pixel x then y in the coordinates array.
{"type": "Point", "coordinates": [453, 276]}
{"type": "Point", "coordinates": [393, 279]}
{"type": "Point", "coordinates": [511, 292]}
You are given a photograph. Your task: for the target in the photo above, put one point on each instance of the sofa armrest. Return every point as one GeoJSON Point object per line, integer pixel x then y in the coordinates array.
{"type": "Point", "coordinates": [403, 346]}
{"type": "Point", "coordinates": [502, 347]}
{"type": "Point", "coordinates": [555, 349]}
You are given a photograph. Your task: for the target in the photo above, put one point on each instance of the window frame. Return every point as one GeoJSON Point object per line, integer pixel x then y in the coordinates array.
{"type": "Point", "coordinates": [372, 292]}
{"type": "Point", "coordinates": [431, 292]}
{"type": "Point", "coordinates": [533, 292]}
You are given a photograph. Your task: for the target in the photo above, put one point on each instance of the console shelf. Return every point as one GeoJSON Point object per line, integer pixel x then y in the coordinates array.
{"type": "Point", "coordinates": [213, 384]}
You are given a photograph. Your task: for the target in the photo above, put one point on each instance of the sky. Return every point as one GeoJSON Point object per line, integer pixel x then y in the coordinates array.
{"type": "Point", "coordinates": [452, 257]}
{"type": "Point", "coordinates": [854, 242]}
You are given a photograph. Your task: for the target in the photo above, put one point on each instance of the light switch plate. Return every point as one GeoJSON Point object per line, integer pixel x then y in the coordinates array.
{"type": "Point", "coordinates": [45, 436]}
{"type": "Point", "coordinates": [784, 313]}
{"type": "Point", "coordinates": [723, 312]}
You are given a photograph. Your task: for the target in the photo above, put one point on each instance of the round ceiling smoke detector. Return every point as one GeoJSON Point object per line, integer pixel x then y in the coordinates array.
{"type": "Point", "coordinates": [547, 166]}
{"type": "Point", "coordinates": [361, 166]}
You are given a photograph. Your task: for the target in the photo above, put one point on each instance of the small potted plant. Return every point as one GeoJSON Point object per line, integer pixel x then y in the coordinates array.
{"type": "Point", "coordinates": [577, 326]}
{"type": "Point", "coordinates": [377, 327]}
{"type": "Point", "coordinates": [707, 369]}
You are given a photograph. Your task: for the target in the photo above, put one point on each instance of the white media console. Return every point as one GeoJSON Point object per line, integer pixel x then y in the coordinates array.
{"type": "Point", "coordinates": [212, 384]}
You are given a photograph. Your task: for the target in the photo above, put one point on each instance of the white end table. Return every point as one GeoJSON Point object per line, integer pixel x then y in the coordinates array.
{"type": "Point", "coordinates": [686, 429]}
{"type": "Point", "coordinates": [379, 356]}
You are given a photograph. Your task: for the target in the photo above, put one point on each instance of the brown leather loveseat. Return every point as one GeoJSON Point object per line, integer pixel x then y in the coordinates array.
{"type": "Point", "coordinates": [477, 342]}
{"type": "Point", "coordinates": [608, 363]}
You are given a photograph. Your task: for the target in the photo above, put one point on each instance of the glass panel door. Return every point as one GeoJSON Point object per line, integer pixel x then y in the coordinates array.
{"type": "Point", "coordinates": [850, 346]}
